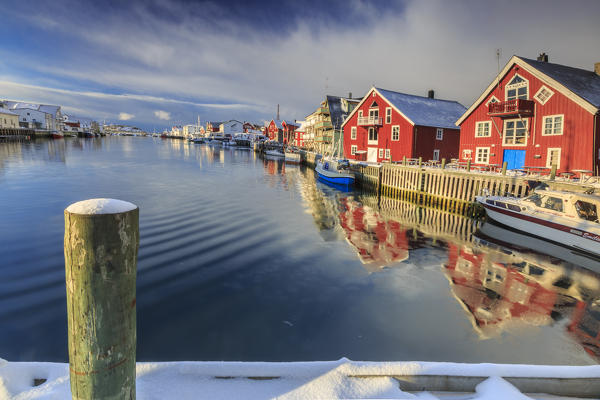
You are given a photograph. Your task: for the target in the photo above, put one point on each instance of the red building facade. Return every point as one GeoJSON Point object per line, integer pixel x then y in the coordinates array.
{"type": "Point", "coordinates": [387, 126]}
{"type": "Point", "coordinates": [274, 130]}
{"type": "Point", "coordinates": [535, 114]}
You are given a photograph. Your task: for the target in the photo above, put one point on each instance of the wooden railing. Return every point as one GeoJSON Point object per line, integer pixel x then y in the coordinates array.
{"type": "Point", "coordinates": [370, 121]}
{"type": "Point", "coordinates": [511, 107]}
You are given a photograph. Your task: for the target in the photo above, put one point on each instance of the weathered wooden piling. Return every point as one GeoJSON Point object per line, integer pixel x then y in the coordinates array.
{"type": "Point", "coordinates": [101, 245]}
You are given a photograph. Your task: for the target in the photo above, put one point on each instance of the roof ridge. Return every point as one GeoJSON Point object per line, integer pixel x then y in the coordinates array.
{"type": "Point", "coordinates": [416, 95]}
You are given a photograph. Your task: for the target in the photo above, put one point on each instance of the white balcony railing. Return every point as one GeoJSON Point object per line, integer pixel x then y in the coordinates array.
{"type": "Point", "coordinates": [370, 121]}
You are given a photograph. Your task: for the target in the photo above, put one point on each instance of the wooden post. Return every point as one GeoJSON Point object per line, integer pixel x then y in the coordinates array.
{"type": "Point", "coordinates": [553, 172]}
{"type": "Point", "coordinates": [420, 161]}
{"type": "Point", "coordinates": [443, 163]}
{"type": "Point", "coordinates": [469, 165]}
{"type": "Point", "coordinates": [504, 165]}
{"type": "Point", "coordinates": [404, 160]}
{"type": "Point", "coordinates": [101, 245]}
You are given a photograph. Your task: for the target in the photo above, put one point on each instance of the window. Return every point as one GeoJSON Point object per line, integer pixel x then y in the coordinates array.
{"type": "Point", "coordinates": [466, 154]}
{"type": "Point", "coordinates": [482, 155]}
{"type": "Point", "coordinates": [439, 134]}
{"type": "Point", "coordinates": [372, 135]}
{"type": "Point", "coordinates": [436, 154]}
{"type": "Point", "coordinates": [543, 95]}
{"type": "Point", "coordinates": [353, 133]}
{"type": "Point", "coordinates": [388, 115]}
{"type": "Point", "coordinates": [353, 149]}
{"type": "Point", "coordinates": [380, 153]}
{"type": "Point", "coordinates": [387, 153]}
{"type": "Point", "coordinates": [517, 88]}
{"type": "Point", "coordinates": [396, 132]}
{"type": "Point", "coordinates": [553, 203]}
{"type": "Point", "coordinates": [374, 115]}
{"type": "Point", "coordinates": [492, 100]}
{"type": "Point", "coordinates": [586, 210]}
{"type": "Point", "coordinates": [360, 113]}
{"type": "Point", "coordinates": [515, 132]}
{"type": "Point", "coordinates": [553, 157]}
{"type": "Point", "coordinates": [553, 125]}
{"type": "Point", "coordinates": [483, 129]}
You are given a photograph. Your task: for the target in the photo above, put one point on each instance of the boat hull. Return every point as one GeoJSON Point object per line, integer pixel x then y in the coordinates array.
{"type": "Point", "coordinates": [335, 177]}
{"type": "Point", "coordinates": [555, 231]}
{"type": "Point", "coordinates": [274, 153]}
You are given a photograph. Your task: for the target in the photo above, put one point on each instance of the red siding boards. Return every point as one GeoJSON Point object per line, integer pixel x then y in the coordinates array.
{"type": "Point", "coordinates": [578, 149]}
{"type": "Point", "coordinates": [405, 146]}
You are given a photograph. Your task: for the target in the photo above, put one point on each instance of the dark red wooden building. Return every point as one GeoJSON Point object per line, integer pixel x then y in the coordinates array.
{"type": "Point", "coordinates": [387, 126]}
{"type": "Point", "coordinates": [536, 114]}
{"type": "Point", "coordinates": [274, 130]}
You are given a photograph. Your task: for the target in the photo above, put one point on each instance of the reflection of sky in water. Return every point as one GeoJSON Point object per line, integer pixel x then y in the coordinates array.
{"type": "Point", "coordinates": [232, 245]}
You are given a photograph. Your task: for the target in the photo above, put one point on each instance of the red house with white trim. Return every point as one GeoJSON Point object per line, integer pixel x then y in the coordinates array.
{"type": "Point", "coordinates": [274, 130]}
{"type": "Point", "coordinates": [536, 114]}
{"type": "Point", "coordinates": [289, 128]}
{"type": "Point", "coordinates": [387, 126]}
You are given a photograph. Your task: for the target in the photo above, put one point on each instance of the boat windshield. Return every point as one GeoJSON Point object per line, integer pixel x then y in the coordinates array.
{"type": "Point", "coordinates": [553, 203]}
{"type": "Point", "coordinates": [586, 210]}
{"type": "Point", "coordinates": [535, 199]}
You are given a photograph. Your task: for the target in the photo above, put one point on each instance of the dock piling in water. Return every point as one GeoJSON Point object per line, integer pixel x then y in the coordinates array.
{"type": "Point", "coordinates": [101, 245]}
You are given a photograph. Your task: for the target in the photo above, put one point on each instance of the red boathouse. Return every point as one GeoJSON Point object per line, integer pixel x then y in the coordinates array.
{"type": "Point", "coordinates": [387, 126]}
{"type": "Point", "coordinates": [535, 114]}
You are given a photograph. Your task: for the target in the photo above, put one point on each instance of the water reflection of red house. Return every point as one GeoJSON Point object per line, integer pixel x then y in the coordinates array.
{"type": "Point", "coordinates": [585, 326]}
{"type": "Point", "coordinates": [378, 242]}
{"type": "Point", "coordinates": [495, 293]}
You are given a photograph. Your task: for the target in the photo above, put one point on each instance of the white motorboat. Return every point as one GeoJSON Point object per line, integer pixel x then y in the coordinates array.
{"type": "Point", "coordinates": [292, 157]}
{"type": "Point", "coordinates": [274, 153]}
{"type": "Point", "coordinates": [565, 218]}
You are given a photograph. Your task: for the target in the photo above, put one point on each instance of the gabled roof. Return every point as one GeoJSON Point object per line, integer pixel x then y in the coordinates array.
{"type": "Point", "coordinates": [7, 112]}
{"type": "Point", "coordinates": [580, 85]}
{"type": "Point", "coordinates": [277, 123]}
{"type": "Point", "coordinates": [419, 110]}
{"type": "Point", "coordinates": [289, 123]}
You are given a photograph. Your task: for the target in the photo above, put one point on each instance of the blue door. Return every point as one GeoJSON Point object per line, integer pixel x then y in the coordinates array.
{"type": "Point", "coordinates": [514, 158]}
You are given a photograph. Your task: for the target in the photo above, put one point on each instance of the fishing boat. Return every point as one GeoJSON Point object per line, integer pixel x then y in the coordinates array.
{"type": "Point", "coordinates": [292, 157]}
{"type": "Point", "coordinates": [274, 153]}
{"type": "Point", "coordinates": [564, 218]}
{"type": "Point", "coordinates": [57, 135]}
{"type": "Point", "coordinates": [335, 171]}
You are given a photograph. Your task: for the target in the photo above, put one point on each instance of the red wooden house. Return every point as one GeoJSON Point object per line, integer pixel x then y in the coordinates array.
{"type": "Point", "coordinates": [274, 130]}
{"type": "Point", "coordinates": [387, 126]}
{"type": "Point", "coordinates": [535, 114]}
{"type": "Point", "coordinates": [289, 128]}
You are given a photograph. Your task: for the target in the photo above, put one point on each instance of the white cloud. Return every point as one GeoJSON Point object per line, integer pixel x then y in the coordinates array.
{"type": "Point", "coordinates": [125, 117]}
{"type": "Point", "coordinates": [160, 114]}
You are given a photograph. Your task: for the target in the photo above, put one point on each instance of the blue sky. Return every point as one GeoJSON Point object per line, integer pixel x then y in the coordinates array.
{"type": "Point", "coordinates": [158, 63]}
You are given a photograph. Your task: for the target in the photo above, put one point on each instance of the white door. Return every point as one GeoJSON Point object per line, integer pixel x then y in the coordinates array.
{"type": "Point", "coordinates": [372, 154]}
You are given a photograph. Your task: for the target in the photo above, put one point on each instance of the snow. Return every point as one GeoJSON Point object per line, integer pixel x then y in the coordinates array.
{"type": "Point", "coordinates": [298, 380]}
{"type": "Point", "coordinates": [100, 206]}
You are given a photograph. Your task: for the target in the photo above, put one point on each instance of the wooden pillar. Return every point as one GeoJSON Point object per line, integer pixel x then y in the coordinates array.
{"type": "Point", "coordinates": [504, 166]}
{"type": "Point", "coordinates": [469, 165]}
{"type": "Point", "coordinates": [101, 245]}
{"type": "Point", "coordinates": [443, 163]}
{"type": "Point", "coordinates": [420, 162]}
{"type": "Point", "coordinates": [404, 160]}
{"type": "Point", "coordinates": [553, 172]}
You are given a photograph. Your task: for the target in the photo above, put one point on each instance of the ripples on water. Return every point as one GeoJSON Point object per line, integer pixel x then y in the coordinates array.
{"type": "Point", "coordinates": [244, 258]}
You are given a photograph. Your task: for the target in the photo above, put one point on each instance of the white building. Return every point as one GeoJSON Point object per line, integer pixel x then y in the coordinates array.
{"type": "Point", "coordinates": [8, 119]}
{"type": "Point", "coordinates": [37, 116]}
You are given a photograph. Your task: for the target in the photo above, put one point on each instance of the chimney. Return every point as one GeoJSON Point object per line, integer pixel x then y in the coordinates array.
{"type": "Point", "coordinates": [349, 95]}
{"type": "Point", "coordinates": [597, 68]}
{"type": "Point", "coordinates": [277, 112]}
{"type": "Point", "coordinates": [430, 93]}
{"type": "Point", "coordinates": [543, 57]}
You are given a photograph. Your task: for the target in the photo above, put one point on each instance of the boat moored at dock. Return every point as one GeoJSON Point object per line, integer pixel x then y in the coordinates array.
{"type": "Point", "coordinates": [335, 171]}
{"type": "Point", "coordinates": [565, 218]}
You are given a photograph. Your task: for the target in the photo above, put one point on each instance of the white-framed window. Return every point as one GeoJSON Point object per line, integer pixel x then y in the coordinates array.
{"type": "Point", "coordinates": [515, 132]}
{"type": "Point", "coordinates": [396, 132]}
{"type": "Point", "coordinates": [372, 135]}
{"type": "Point", "coordinates": [517, 88]}
{"type": "Point", "coordinates": [360, 113]}
{"type": "Point", "coordinates": [482, 155]}
{"type": "Point", "coordinates": [492, 99]}
{"type": "Point", "coordinates": [466, 154]}
{"type": "Point", "coordinates": [388, 115]}
{"type": "Point", "coordinates": [353, 149]}
{"type": "Point", "coordinates": [483, 129]}
{"type": "Point", "coordinates": [436, 154]}
{"type": "Point", "coordinates": [543, 95]}
{"type": "Point", "coordinates": [387, 153]}
{"type": "Point", "coordinates": [353, 133]}
{"type": "Point", "coordinates": [380, 153]}
{"type": "Point", "coordinates": [439, 134]}
{"type": "Point", "coordinates": [553, 125]}
{"type": "Point", "coordinates": [553, 157]}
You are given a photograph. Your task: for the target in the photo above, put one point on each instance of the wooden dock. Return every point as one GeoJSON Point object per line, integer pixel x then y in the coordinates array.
{"type": "Point", "coordinates": [16, 134]}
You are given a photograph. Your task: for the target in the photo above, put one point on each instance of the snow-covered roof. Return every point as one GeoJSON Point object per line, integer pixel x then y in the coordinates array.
{"type": "Point", "coordinates": [6, 111]}
{"type": "Point", "coordinates": [425, 111]}
{"type": "Point", "coordinates": [339, 109]}
{"type": "Point", "coordinates": [49, 109]}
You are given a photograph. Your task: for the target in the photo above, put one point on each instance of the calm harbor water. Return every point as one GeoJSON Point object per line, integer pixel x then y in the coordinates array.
{"type": "Point", "coordinates": [245, 258]}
